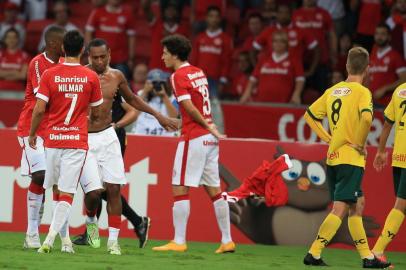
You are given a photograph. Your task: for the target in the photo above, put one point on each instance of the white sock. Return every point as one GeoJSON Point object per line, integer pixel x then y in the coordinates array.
{"type": "Point", "coordinates": [113, 234]}
{"type": "Point", "coordinates": [223, 219]}
{"type": "Point", "coordinates": [90, 220]}
{"type": "Point", "coordinates": [34, 202]}
{"type": "Point", "coordinates": [64, 232]}
{"type": "Point", "coordinates": [60, 216]}
{"type": "Point", "coordinates": [181, 210]}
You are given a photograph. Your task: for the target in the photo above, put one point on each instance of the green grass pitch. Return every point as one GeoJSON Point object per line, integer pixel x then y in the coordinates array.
{"type": "Point", "coordinates": [198, 256]}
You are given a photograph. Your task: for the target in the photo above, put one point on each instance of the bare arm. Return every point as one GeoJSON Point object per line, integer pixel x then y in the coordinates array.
{"type": "Point", "coordinates": [146, 6]}
{"type": "Point", "coordinates": [131, 51]}
{"type": "Point", "coordinates": [88, 36]}
{"type": "Point", "coordinates": [390, 87]}
{"type": "Point", "coordinates": [248, 91]}
{"type": "Point", "coordinates": [128, 118]}
{"type": "Point", "coordinates": [318, 128]}
{"type": "Point", "coordinates": [332, 37]}
{"type": "Point", "coordinates": [381, 155]}
{"type": "Point", "coordinates": [314, 63]}
{"type": "Point", "coordinates": [198, 117]}
{"type": "Point", "coordinates": [297, 92]}
{"type": "Point", "coordinates": [170, 108]}
{"type": "Point", "coordinates": [14, 75]}
{"type": "Point", "coordinates": [37, 115]}
{"type": "Point", "coordinates": [139, 104]}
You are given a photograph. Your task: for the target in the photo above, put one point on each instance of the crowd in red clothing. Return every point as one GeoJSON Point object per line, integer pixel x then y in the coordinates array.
{"type": "Point", "coordinates": [260, 51]}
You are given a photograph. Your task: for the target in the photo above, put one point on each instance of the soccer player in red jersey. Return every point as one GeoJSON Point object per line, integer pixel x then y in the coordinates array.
{"type": "Point", "coordinates": [68, 89]}
{"type": "Point", "coordinates": [387, 67]}
{"type": "Point", "coordinates": [279, 77]}
{"type": "Point", "coordinates": [33, 160]}
{"type": "Point", "coordinates": [196, 160]}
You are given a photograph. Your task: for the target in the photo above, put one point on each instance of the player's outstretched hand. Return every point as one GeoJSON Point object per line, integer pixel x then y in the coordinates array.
{"type": "Point", "coordinates": [213, 130]}
{"type": "Point", "coordinates": [380, 161]}
{"type": "Point", "coordinates": [169, 124]}
{"type": "Point", "coordinates": [32, 141]}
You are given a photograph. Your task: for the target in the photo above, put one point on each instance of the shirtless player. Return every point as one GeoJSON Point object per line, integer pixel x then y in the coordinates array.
{"type": "Point", "coordinates": [103, 141]}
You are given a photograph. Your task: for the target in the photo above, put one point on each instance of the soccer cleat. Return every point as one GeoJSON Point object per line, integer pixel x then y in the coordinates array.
{"type": "Point", "coordinates": [310, 260]}
{"type": "Point", "coordinates": [93, 238]}
{"type": "Point", "coordinates": [226, 248]}
{"type": "Point", "coordinates": [67, 246]}
{"type": "Point", "coordinates": [81, 240]}
{"type": "Point", "coordinates": [375, 263]}
{"type": "Point", "coordinates": [45, 248]}
{"type": "Point", "coordinates": [142, 231]}
{"type": "Point", "coordinates": [383, 258]}
{"type": "Point", "coordinates": [171, 246]}
{"type": "Point", "coordinates": [113, 248]}
{"type": "Point", "coordinates": [32, 241]}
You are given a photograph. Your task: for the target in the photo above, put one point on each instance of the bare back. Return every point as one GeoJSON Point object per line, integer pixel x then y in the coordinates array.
{"type": "Point", "coordinates": [110, 82]}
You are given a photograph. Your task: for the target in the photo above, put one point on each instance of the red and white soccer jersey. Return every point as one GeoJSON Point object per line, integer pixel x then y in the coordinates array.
{"type": "Point", "coordinates": [114, 27]}
{"type": "Point", "coordinates": [197, 152]}
{"type": "Point", "coordinates": [316, 22]}
{"type": "Point", "coordinates": [160, 30]}
{"type": "Point", "coordinates": [12, 61]}
{"type": "Point", "coordinates": [239, 84]}
{"type": "Point", "coordinates": [68, 89]}
{"type": "Point", "coordinates": [276, 76]}
{"type": "Point", "coordinates": [212, 52]}
{"type": "Point", "coordinates": [33, 160]}
{"type": "Point", "coordinates": [299, 40]}
{"type": "Point", "coordinates": [384, 67]}
{"type": "Point", "coordinates": [369, 16]}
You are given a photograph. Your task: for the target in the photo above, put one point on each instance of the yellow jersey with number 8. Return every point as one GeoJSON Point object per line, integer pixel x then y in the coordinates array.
{"type": "Point", "coordinates": [395, 114]}
{"type": "Point", "coordinates": [343, 105]}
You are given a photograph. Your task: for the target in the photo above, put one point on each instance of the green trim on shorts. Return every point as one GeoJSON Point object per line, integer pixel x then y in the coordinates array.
{"type": "Point", "coordinates": [345, 182]}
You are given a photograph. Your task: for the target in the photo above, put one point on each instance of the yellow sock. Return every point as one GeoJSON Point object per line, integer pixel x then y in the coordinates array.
{"type": "Point", "coordinates": [326, 232]}
{"type": "Point", "coordinates": [391, 228]}
{"type": "Point", "coordinates": [359, 236]}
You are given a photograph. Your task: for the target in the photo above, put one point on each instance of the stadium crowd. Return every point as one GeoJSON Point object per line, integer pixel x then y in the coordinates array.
{"type": "Point", "coordinates": [262, 51]}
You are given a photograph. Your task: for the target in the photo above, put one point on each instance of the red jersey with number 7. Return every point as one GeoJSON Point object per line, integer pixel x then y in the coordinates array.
{"type": "Point", "coordinates": [69, 89]}
{"type": "Point", "coordinates": [190, 83]}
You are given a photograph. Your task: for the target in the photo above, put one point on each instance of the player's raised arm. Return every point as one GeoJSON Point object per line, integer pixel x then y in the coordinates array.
{"type": "Point", "coordinates": [139, 104]}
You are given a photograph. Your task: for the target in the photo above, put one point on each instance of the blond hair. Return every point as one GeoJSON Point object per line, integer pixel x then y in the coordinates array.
{"type": "Point", "coordinates": [357, 61]}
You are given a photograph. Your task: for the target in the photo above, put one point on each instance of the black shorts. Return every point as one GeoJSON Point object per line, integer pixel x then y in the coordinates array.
{"type": "Point", "coordinates": [399, 182]}
{"type": "Point", "coordinates": [345, 182]}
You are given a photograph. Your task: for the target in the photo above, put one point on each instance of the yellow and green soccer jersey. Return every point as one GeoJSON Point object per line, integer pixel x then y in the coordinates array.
{"type": "Point", "coordinates": [395, 114]}
{"type": "Point", "coordinates": [343, 104]}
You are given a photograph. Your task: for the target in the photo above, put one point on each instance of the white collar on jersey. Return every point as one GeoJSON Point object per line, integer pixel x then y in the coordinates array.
{"type": "Point", "coordinates": [186, 64]}
{"type": "Point", "coordinates": [48, 59]}
{"type": "Point", "coordinates": [171, 29]}
{"type": "Point", "coordinates": [110, 10]}
{"type": "Point", "coordinates": [71, 64]}
{"type": "Point", "coordinates": [381, 53]}
{"type": "Point", "coordinates": [279, 58]}
{"type": "Point", "coordinates": [214, 33]}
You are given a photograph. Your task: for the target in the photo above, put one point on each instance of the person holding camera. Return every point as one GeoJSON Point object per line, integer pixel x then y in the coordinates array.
{"type": "Point", "coordinates": [158, 94]}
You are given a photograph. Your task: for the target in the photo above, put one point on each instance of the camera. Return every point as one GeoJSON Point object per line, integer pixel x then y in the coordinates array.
{"type": "Point", "coordinates": [157, 85]}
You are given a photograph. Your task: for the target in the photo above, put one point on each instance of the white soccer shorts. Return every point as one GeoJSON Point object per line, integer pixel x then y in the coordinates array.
{"type": "Point", "coordinates": [32, 160]}
{"type": "Point", "coordinates": [105, 151]}
{"type": "Point", "coordinates": [64, 167]}
{"type": "Point", "coordinates": [196, 162]}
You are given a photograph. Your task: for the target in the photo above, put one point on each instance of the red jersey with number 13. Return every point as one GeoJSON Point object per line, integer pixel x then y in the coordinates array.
{"type": "Point", "coordinates": [190, 82]}
{"type": "Point", "coordinates": [69, 89]}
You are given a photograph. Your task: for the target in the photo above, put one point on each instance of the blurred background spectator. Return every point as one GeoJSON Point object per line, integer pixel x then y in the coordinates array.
{"type": "Point", "coordinates": [158, 94]}
{"type": "Point", "coordinates": [279, 76]}
{"type": "Point", "coordinates": [13, 62]}
{"type": "Point", "coordinates": [36, 9]}
{"type": "Point", "coordinates": [139, 77]}
{"type": "Point", "coordinates": [10, 20]}
{"type": "Point", "coordinates": [114, 23]}
{"type": "Point", "coordinates": [387, 68]}
{"type": "Point", "coordinates": [60, 14]}
{"type": "Point", "coordinates": [240, 79]}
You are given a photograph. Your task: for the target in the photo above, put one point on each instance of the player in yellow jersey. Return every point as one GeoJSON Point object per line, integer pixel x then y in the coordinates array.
{"type": "Point", "coordinates": [348, 107]}
{"type": "Point", "coordinates": [394, 115]}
